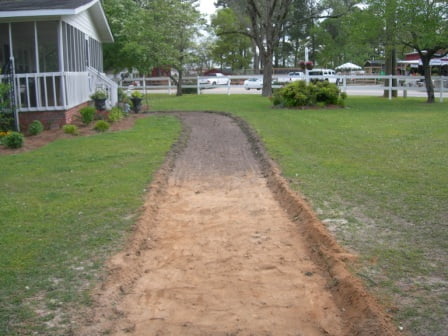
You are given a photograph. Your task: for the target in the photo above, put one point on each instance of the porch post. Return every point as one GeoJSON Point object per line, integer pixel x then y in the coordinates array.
{"type": "Point", "coordinates": [37, 82]}
{"type": "Point", "coordinates": [13, 88]}
{"type": "Point", "coordinates": [36, 48]}
{"type": "Point", "coordinates": [61, 63]}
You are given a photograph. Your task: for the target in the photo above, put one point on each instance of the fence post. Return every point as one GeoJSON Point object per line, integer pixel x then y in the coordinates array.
{"type": "Point", "coordinates": [198, 86]}
{"type": "Point", "coordinates": [169, 86]}
{"type": "Point", "coordinates": [390, 87]}
{"type": "Point", "coordinates": [344, 83]}
{"type": "Point", "coordinates": [441, 88]}
{"type": "Point", "coordinates": [228, 87]}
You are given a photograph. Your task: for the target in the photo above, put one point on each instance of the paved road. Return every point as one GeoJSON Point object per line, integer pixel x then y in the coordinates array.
{"type": "Point", "coordinates": [374, 91]}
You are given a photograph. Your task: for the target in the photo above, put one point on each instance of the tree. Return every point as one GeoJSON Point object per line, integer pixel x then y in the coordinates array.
{"type": "Point", "coordinates": [122, 16]}
{"type": "Point", "coordinates": [183, 21]}
{"type": "Point", "coordinates": [424, 28]}
{"type": "Point", "coordinates": [152, 33]}
{"type": "Point", "coordinates": [230, 50]}
{"type": "Point", "coordinates": [264, 21]}
{"type": "Point", "coordinates": [267, 19]}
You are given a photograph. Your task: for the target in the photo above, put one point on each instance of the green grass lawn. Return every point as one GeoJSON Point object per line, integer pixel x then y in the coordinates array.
{"type": "Point", "coordinates": [64, 209]}
{"type": "Point", "coordinates": [376, 173]}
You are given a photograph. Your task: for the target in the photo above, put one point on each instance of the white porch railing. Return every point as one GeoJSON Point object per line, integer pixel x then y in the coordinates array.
{"type": "Point", "coordinates": [99, 81]}
{"type": "Point", "coordinates": [53, 91]}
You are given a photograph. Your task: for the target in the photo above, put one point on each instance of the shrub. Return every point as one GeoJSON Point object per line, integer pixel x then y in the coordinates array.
{"type": "Point", "coordinates": [137, 94]}
{"type": "Point", "coordinates": [299, 94]}
{"type": "Point", "coordinates": [70, 129]}
{"type": "Point", "coordinates": [87, 114]}
{"type": "Point", "coordinates": [189, 90]}
{"type": "Point", "coordinates": [122, 97]}
{"type": "Point", "coordinates": [101, 126]}
{"type": "Point", "coordinates": [115, 114]}
{"type": "Point", "coordinates": [3, 134]}
{"type": "Point", "coordinates": [13, 140]}
{"type": "Point", "coordinates": [99, 94]}
{"type": "Point", "coordinates": [35, 128]}
{"type": "Point", "coordinates": [6, 121]}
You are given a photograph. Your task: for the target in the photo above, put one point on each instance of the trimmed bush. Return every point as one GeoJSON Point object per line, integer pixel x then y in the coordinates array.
{"type": "Point", "coordinates": [189, 90]}
{"type": "Point", "coordinates": [101, 126]}
{"type": "Point", "coordinates": [6, 121]}
{"type": "Point", "coordinates": [13, 140]}
{"type": "Point", "coordinates": [87, 114]}
{"type": "Point", "coordinates": [35, 128]}
{"type": "Point", "coordinates": [70, 129]}
{"type": "Point", "coordinates": [115, 114]}
{"type": "Point", "coordinates": [299, 94]}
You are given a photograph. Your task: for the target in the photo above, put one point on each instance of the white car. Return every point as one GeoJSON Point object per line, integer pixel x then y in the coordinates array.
{"type": "Point", "coordinates": [323, 74]}
{"type": "Point", "coordinates": [290, 77]}
{"type": "Point", "coordinates": [253, 83]}
{"type": "Point", "coordinates": [215, 79]}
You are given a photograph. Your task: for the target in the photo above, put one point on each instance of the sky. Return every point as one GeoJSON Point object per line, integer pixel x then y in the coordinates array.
{"type": "Point", "coordinates": [207, 7]}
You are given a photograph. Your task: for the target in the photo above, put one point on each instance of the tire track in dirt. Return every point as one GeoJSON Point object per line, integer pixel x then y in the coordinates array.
{"type": "Point", "coordinates": [218, 251]}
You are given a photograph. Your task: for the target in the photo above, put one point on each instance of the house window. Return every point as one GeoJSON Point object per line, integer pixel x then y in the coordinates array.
{"type": "Point", "coordinates": [4, 46]}
{"type": "Point", "coordinates": [23, 44]}
{"type": "Point", "coordinates": [47, 36]}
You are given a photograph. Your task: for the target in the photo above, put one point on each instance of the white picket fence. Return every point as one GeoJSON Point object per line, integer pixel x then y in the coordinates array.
{"type": "Point", "coordinates": [352, 84]}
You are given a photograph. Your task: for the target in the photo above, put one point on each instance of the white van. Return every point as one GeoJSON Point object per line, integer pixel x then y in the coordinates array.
{"type": "Point", "coordinates": [323, 74]}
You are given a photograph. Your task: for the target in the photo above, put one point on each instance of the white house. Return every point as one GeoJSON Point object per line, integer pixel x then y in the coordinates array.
{"type": "Point", "coordinates": [52, 52]}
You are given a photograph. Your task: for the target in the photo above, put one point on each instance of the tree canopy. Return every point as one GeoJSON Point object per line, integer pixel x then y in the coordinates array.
{"type": "Point", "coordinates": [152, 33]}
{"type": "Point", "coordinates": [267, 33]}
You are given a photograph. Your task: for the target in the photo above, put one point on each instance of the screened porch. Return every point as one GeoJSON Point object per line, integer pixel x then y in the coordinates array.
{"type": "Point", "coordinates": [56, 65]}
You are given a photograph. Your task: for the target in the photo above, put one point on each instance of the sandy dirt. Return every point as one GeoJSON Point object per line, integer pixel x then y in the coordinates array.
{"type": "Point", "coordinates": [223, 247]}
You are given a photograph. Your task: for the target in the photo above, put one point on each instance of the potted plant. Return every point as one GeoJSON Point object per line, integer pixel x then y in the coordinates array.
{"type": "Point", "coordinates": [99, 97]}
{"type": "Point", "coordinates": [136, 98]}
{"type": "Point", "coordinates": [309, 65]}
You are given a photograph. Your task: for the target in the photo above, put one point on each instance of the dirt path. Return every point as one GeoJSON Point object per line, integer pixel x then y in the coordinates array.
{"type": "Point", "coordinates": [215, 253]}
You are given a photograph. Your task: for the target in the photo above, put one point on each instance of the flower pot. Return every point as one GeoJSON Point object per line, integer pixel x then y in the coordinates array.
{"type": "Point", "coordinates": [136, 104]}
{"type": "Point", "coordinates": [100, 103]}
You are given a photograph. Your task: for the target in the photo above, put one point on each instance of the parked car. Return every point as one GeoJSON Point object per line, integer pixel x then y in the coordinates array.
{"type": "Point", "coordinates": [324, 74]}
{"type": "Point", "coordinates": [253, 83]}
{"type": "Point", "coordinates": [215, 79]}
{"type": "Point", "coordinates": [290, 77]}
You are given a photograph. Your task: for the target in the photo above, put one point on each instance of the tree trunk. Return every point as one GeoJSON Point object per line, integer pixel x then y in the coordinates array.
{"type": "Point", "coordinates": [256, 58]}
{"type": "Point", "coordinates": [267, 73]}
{"type": "Point", "coordinates": [428, 80]}
{"type": "Point", "coordinates": [178, 83]}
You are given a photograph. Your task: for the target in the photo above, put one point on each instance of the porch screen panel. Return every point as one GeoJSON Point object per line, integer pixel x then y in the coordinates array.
{"type": "Point", "coordinates": [74, 45]}
{"type": "Point", "coordinates": [47, 35]}
{"type": "Point", "coordinates": [96, 54]}
{"type": "Point", "coordinates": [4, 46]}
{"type": "Point", "coordinates": [24, 47]}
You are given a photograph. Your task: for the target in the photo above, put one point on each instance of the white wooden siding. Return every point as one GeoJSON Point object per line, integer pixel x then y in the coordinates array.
{"type": "Point", "coordinates": [83, 21]}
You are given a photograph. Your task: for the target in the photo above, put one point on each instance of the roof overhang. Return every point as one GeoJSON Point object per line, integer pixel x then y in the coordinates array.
{"type": "Point", "coordinates": [94, 7]}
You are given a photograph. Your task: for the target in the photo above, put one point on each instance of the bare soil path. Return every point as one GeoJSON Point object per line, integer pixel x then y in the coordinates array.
{"type": "Point", "coordinates": [215, 253]}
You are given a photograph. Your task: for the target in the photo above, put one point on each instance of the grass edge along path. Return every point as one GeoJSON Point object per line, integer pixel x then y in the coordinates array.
{"type": "Point", "coordinates": [64, 209]}
{"type": "Point", "coordinates": [375, 173]}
